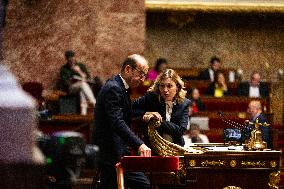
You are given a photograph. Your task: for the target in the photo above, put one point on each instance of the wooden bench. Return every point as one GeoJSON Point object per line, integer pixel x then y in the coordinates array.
{"type": "Point", "coordinates": [232, 103]}
{"type": "Point", "coordinates": [193, 73]}
{"type": "Point", "coordinates": [79, 123]}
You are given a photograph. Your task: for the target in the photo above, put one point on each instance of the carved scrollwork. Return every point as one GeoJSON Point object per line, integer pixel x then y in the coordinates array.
{"type": "Point", "coordinates": [233, 163]}
{"type": "Point", "coordinates": [192, 163]}
{"type": "Point", "coordinates": [232, 187]}
{"type": "Point", "coordinates": [213, 163]}
{"type": "Point", "coordinates": [253, 163]}
{"type": "Point", "coordinates": [273, 164]}
{"type": "Point", "coordinates": [274, 179]}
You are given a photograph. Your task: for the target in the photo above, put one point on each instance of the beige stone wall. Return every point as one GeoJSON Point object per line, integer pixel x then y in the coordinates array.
{"type": "Point", "coordinates": [102, 33]}
{"type": "Point", "coordinates": [246, 41]}
{"type": "Point", "coordinates": [249, 42]}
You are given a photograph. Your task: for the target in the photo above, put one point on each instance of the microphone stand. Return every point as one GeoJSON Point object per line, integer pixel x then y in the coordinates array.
{"type": "Point", "coordinates": [232, 123]}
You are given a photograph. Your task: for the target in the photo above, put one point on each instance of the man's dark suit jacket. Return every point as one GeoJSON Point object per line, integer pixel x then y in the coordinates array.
{"type": "Point", "coordinates": [179, 119]}
{"type": "Point", "coordinates": [112, 120]}
{"type": "Point", "coordinates": [204, 75]}
{"type": "Point", "coordinates": [266, 136]}
{"type": "Point", "coordinates": [243, 89]}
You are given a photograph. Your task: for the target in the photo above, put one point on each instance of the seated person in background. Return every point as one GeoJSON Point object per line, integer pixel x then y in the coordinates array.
{"type": "Point", "coordinates": [194, 136]}
{"type": "Point", "coordinates": [209, 73]}
{"type": "Point", "coordinates": [196, 104]}
{"type": "Point", "coordinates": [218, 88]}
{"type": "Point", "coordinates": [166, 102]}
{"type": "Point", "coordinates": [255, 112]}
{"type": "Point", "coordinates": [255, 88]}
{"type": "Point", "coordinates": [74, 76]}
{"type": "Point", "coordinates": [160, 66]}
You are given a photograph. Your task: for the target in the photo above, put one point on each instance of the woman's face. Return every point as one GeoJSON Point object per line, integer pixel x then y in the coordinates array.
{"type": "Point", "coordinates": [195, 94]}
{"type": "Point", "coordinates": [168, 89]}
{"type": "Point", "coordinates": [162, 67]}
{"type": "Point", "coordinates": [220, 78]}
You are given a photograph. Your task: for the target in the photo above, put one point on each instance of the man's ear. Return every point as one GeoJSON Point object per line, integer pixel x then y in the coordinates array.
{"type": "Point", "coordinates": [127, 69]}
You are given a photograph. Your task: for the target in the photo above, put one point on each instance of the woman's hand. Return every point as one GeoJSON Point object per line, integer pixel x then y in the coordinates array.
{"type": "Point", "coordinates": [223, 83]}
{"type": "Point", "coordinates": [152, 115]}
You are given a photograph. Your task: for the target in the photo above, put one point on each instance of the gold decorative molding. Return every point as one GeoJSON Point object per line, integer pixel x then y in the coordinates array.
{"type": "Point", "coordinates": [232, 187]}
{"type": "Point", "coordinates": [274, 179]}
{"type": "Point", "coordinates": [182, 168]}
{"type": "Point", "coordinates": [225, 6]}
{"type": "Point", "coordinates": [192, 163]}
{"type": "Point", "coordinates": [273, 164]}
{"type": "Point", "coordinates": [233, 163]}
{"type": "Point", "coordinates": [218, 163]}
{"type": "Point", "coordinates": [253, 163]}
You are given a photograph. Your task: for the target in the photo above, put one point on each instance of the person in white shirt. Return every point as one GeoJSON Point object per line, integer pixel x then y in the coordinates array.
{"type": "Point", "coordinates": [254, 88]}
{"type": "Point", "coordinates": [74, 78]}
{"type": "Point", "coordinates": [209, 73]}
{"type": "Point", "coordinates": [194, 136]}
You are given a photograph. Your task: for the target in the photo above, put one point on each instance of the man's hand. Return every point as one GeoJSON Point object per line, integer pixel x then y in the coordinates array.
{"type": "Point", "coordinates": [152, 115]}
{"type": "Point", "coordinates": [144, 151]}
{"type": "Point", "coordinates": [79, 71]}
{"type": "Point", "coordinates": [76, 68]}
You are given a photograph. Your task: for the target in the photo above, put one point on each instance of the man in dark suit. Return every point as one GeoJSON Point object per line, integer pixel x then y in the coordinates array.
{"type": "Point", "coordinates": [209, 73]}
{"type": "Point", "coordinates": [254, 88]}
{"type": "Point", "coordinates": [112, 121]}
{"type": "Point", "coordinates": [255, 113]}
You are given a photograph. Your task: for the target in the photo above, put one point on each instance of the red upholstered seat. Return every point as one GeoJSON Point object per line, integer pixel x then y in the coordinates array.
{"type": "Point", "coordinates": [150, 164]}
{"type": "Point", "coordinates": [145, 164]}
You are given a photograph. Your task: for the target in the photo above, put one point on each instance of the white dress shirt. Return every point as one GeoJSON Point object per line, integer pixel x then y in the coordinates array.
{"type": "Point", "coordinates": [211, 74]}
{"type": "Point", "coordinates": [169, 109]}
{"type": "Point", "coordinates": [254, 92]}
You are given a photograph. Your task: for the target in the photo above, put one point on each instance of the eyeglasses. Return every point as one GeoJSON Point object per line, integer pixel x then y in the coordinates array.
{"type": "Point", "coordinates": [141, 73]}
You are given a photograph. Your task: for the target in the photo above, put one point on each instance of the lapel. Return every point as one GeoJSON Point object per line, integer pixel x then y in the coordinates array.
{"type": "Point", "coordinates": [174, 109]}
{"type": "Point", "coordinates": [126, 96]}
{"type": "Point", "coordinates": [162, 107]}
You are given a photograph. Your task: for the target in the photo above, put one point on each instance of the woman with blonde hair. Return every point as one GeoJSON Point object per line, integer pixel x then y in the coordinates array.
{"type": "Point", "coordinates": [166, 102]}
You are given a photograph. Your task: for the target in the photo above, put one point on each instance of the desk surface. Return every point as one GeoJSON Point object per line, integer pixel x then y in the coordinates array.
{"type": "Point", "coordinates": [68, 122]}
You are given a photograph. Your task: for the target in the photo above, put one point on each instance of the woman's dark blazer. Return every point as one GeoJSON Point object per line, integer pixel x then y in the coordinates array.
{"type": "Point", "coordinates": [150, 102]}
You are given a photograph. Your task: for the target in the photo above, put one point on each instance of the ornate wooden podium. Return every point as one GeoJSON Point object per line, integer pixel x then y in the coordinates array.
{"type": "Point", "coordinates": [233, 169]}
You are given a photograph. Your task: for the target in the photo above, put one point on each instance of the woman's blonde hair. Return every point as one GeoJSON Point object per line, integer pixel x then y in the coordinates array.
{"type": "Point", "coordinates": [170, 73]}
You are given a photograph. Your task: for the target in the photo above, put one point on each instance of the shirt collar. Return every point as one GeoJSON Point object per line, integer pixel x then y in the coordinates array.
{"type": "Point", "coordinates": [256, 116]}
{"type": "Point", "coordinates": [124, 82]}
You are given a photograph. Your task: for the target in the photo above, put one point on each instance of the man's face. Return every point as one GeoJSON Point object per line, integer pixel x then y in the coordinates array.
{"type": "Point", "coordinates": [136, 76]}
{"type": "Point", "coordinates": [71, 61]}
{"type": "Point", "coordinates": [255, 80]}
{"type": "Point", "coordinates": [252, 110]}
{"type": "Point", "coordinates": [194, 133]}
{"type": "Point", "coordinates": [215, 65]}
